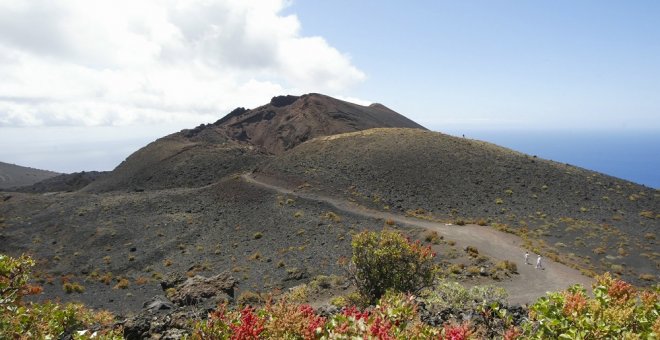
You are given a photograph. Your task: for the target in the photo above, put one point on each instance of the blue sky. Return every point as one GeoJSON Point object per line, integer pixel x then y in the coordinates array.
{"type": "Point", "coordinates": [502, 64]}
{"type": "Point", "coordinates": [85, 83]}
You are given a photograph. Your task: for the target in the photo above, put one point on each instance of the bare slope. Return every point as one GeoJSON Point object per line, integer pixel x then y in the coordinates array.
{"type": "Point", "coordinates": [265, 239]}
{"type": "Point", "coordinates": [574, 215]}
{"type": "Point", "coordinates": [290, 120]}
{"type": "Point", "coordinates": [190, 158]}
{"type": "Point", "coordinates": [65, 182]}
{"type": "Point", "coordinates": [12, 175]}
{"type": "Point", "coordinates": [240, 140]}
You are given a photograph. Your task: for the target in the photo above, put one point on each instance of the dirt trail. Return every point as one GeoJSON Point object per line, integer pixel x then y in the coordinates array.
{"type": "Point", "coordinates": [525, 287]}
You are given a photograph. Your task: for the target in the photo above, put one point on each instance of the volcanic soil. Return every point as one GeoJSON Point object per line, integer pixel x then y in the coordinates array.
{"type": "Point", "coordinates": [585, 219]}
{"type": "Point", "coordinates": [273, 195]}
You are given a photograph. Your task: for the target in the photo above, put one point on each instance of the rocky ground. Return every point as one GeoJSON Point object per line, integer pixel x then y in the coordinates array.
{"type": "Point", "coordinates": [266, 239]}
{"type": "Point", "coordinates": [593, 221]}
{"type": "Point", "coordinates": [275, 214]}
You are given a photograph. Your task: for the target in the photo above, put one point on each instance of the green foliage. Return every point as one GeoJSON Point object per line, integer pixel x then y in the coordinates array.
{"type": "Point", "coordinates": [446, 294]}
{"type": "Point", "coordinates": [46, 320]}
{"type": "Point", "coordinates": [73, 287]}
{"type": "Point", "coordinates": [14, 276]}
{"type": "Point", "coordinates": [250, 298]}
{"type": "Point", "coordinates": [388, 261]}
{"type": "Point", "coordinates": [395, 317]}
{"type": "Point", "coordinates": [616, 311]}
{"type": "Point", "coordinates": [507, 265]}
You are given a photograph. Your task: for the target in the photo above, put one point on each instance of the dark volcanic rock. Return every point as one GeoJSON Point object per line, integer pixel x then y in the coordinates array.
{"type": "Point", "coordinates": [158, 303]}
{"type": "Point", "coordinates": [199, 288]}
{"type": "Point", "coordinates": [152, 324]}
{"type": "Point", "coordinates": [66, 182]}
{"type": "Point", "coordinates": [280, 101]}
{"type": "Point", "coordinates": [290, 120]}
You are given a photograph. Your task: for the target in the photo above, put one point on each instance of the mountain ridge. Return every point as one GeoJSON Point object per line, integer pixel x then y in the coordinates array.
{"type": "Point", "coordinates": [13, 176]}
{"type": "Point", "coordinates": [240, 140]}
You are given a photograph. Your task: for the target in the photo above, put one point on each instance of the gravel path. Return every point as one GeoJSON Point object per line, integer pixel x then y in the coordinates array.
{"type": "Point", "coordinates": [526, 287]}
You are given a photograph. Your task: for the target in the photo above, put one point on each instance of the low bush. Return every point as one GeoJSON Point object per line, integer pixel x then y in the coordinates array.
{"type": "Point", "coordinates": [616, 311]}
{"type": "Point", "coordinates": [388, 261]}
{"type": "Point", "coordinates": [73, 287]}
{"type": "Point", "coordinates": [472, 251]}
{"type": "Point", "coordinates": [250, 298]}
{"type": "Point", "coordinates": [433, 237]}
{"type": "Point", "coordinates": [332, 217]}
{"type": "Point", "coordinates": [19, 320]}
{"type": "Point", "coordinates": [395, 317]}
{"type": "Point", "coordinates": [122, 284]}
{"type": "Point", "coordinates": [446, 294]}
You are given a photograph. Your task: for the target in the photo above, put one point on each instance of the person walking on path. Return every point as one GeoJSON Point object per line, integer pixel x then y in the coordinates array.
{"type": "Point", "coordinates": [527, 257]}
{"type": "Point", "coordinates": [538, 263]}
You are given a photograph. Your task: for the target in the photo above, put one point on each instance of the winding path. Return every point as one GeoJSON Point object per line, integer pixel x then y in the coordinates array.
{"type": "Point", "coordinates": [525, 287]}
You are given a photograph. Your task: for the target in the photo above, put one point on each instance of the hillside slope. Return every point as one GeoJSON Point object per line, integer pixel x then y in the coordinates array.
{"type": "Point", "coordinates": [12, 175]}
{"type": "Point", "coordinates": [240, 140]}
{"type": "Point", "coordinates": [290, 120]}
{"type": "Point", "coordinates": [594, 221]}
{"type": "Point", "coordinates": [65, 182]}
{"type": "Point", "coordinates": [190, 158]}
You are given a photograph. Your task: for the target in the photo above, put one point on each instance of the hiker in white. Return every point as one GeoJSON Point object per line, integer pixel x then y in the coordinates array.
{"type": "Point", "coordinates": [538, 263]}
{"type": "Point", "coordinates": [526, 257]}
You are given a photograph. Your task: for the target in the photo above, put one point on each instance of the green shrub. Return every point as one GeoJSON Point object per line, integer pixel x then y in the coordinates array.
{"type": "Point", "coordinates": [250, 298]}
{"type": "Point", "coordinates": [332, 217]}
{"type": "Point", "coordinates": [122, 284]}
{"type": "Point", "coordinates": [472, 251]}
{"type": "Point", "coordinates": [616, 311]}
{"type": "Point", "coordinates": [48, 320]}
{"type": "Point", "coordinates": [388, 261]}
{"type": "Point", "coordinates": [298, 293]}
{"type": "Point", "coordinates": [395, 317]}
{"type": "Point", "coordinates": [14, 276]}
{"type": "Point", "coordinates": [446, 294]}
{"type": "Point", "coordinates": [71, 287]}
{"type": "Point", "coordinates": [433, 237]}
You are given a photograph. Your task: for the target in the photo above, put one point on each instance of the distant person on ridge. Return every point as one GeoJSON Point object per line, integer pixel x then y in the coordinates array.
{"type": "Point", "coordinates": [538, 263]}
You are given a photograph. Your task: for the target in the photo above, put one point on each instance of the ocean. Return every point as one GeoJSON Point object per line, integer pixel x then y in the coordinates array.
{"type": "Point", "coordinates": [633, 156]}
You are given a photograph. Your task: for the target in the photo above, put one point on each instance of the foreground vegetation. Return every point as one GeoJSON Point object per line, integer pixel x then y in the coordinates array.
{"type": "Point", "coordinates": [395, 307]}
{"type": "Point", "coordinates": [20, 320]}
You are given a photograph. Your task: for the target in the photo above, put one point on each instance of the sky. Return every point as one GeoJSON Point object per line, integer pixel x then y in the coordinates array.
{"type": "Point", "coordinates": [87, 82]}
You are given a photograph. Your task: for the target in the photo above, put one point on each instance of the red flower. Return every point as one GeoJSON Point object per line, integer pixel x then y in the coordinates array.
{"type": "Point", "coordinates": [355, 313]}
{"type": "Point", "coordinates": [456, 332]}
{"type": "Point", "coordinates": [621, 290]}
{"type": "Point", "coordinates": [381, 329]}
{"type": "Point", "coordinates": [249, 328]}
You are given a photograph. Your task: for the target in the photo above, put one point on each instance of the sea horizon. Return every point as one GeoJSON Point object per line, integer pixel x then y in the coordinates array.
{"type": "Point", "coordinates": [630, 155]}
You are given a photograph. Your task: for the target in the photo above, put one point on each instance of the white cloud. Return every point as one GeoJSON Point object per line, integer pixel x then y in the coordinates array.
{"type": "Point", "coordinates": [84, 62]}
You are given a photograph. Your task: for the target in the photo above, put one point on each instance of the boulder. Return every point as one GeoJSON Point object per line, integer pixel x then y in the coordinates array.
{"type": "Point", "coordinates": [199, 288]}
